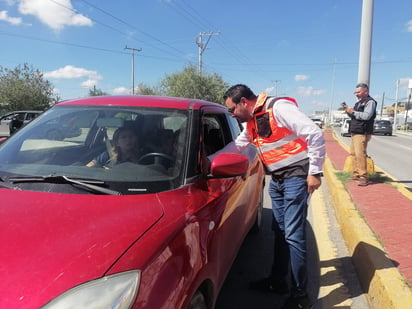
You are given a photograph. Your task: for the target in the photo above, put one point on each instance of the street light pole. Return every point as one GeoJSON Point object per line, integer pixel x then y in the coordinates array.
{"type": "Point", "coordinates": [365, 42]}
{"type": "Point", "coordinates": [332, 93]}
{"type": "Point", "coordinates": [395, 115]}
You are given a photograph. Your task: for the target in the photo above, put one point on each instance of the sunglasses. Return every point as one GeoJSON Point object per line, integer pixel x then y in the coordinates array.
{"type": "Point", "coordinates": [232, 109]}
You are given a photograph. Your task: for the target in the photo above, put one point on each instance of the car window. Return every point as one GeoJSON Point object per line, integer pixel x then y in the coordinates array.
{"type": "Point", "coordinates": [216, 133]}
{"type": "Point", "coordinates": [31, 116]}
{"type": "Point", "coordinates": [8, 117]}
{"type": "Point", "coordinates": [65, 139]}
{"type": "Point", "coordinates": [235, 126]}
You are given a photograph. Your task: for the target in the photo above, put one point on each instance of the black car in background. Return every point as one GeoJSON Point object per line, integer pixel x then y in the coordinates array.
{"type": "Point", "coordinates": [383, 127]}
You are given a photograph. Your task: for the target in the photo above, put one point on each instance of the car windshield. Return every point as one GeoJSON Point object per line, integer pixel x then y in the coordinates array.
{"type": "Point", "coordinates": [79, 149]}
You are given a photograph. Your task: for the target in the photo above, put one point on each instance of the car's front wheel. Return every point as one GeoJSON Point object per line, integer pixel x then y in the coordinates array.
{"type": "Point", "coordinates": [198, 301]}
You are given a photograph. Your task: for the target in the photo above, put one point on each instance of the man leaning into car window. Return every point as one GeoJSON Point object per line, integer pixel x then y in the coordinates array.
{"type": "Point", "coordinates": [292, 148]}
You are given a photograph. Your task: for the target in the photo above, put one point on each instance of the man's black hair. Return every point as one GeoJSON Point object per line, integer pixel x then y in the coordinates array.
{"type": "Point", "coordinates": [237, 92]}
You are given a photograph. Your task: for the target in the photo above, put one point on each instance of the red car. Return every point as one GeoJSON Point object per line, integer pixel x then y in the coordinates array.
{"type": "Point", "coordinates": [83, 225]}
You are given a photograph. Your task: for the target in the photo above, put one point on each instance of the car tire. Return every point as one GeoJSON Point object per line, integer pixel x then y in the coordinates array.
{"type": "Point", "coordinates": [198, 301]}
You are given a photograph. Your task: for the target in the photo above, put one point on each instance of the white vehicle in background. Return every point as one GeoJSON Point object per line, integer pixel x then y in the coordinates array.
{"type": "Point", "coordinates": [21, 117]}
{"type": "Point", "coordinates": [344, 129]}
{"type": "Point", "coordinates": [318, 121]}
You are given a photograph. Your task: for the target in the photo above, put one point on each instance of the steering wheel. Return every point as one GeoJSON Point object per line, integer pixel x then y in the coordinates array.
{"type": "Point", "coordinates": [157, 156]}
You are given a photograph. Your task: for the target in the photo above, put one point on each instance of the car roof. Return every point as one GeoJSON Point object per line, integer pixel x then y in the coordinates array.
{"type": "Point", "coordinates": [142, 100]}
{"type": "Point", "coordinates": [24, 111]}
{"type": "Point", "coordinates": [21, 112]}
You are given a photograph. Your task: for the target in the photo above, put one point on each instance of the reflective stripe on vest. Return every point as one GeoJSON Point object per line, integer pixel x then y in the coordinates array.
{"type": "Point", "coordinates": [282, 147]}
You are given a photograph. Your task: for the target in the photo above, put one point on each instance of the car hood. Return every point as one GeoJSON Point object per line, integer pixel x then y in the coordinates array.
{"type": "Point", "coordinates": [51, 242]}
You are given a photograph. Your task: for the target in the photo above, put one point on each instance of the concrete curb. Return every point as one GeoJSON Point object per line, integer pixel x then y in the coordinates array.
{"type": "Point", "coordinates": [382, 282]}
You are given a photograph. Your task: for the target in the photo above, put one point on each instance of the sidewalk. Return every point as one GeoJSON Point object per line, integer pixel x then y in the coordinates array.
{"type": "Point", "coordinates": [376, 223]}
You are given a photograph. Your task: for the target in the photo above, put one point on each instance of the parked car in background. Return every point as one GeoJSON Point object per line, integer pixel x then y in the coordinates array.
{"type": "Point", "coordinates": [11, 122]}
{"type": "Point", "coordinates": [159, 232]}
{"type": "Point", "coordinates": [318, 121]}
{"type": "Point", "coordinates": [383, 127]}
{"type": "Point", "coordinates": [344, 129]}
{"type": "Point", "coordinates": [336, 123]}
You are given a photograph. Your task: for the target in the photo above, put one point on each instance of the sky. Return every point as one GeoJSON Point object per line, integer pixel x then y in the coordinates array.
{"type": "Point", "coordinates": [308, 50]}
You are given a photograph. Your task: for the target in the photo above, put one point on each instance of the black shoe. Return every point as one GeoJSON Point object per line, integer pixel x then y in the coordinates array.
{"type": "Point", "coordinates": [269, 285]}
{"type": "Point", "coordinates": [298, 302]}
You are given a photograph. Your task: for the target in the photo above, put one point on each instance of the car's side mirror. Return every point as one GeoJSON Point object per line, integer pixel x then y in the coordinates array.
{"type": "Point", "coordinates": [226, 165]}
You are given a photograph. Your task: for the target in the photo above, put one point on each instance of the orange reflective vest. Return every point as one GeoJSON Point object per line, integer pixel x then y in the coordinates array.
{"type": "Point", "coordinates": [277, 146]}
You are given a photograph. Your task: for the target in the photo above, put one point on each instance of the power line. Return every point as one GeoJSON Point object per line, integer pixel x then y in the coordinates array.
{"type": "Point", "coordinates": [79, 45]}
{"type": "Point", "coordinates": [197, 20]}
{"type": "Point", "coordinates": [177, 52]}
{"type": "Point", "coordinates": [135, 28]}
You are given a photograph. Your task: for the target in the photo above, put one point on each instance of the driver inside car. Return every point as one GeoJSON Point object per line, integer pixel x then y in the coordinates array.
{"type": "Point", "coordinates": [125, 149]}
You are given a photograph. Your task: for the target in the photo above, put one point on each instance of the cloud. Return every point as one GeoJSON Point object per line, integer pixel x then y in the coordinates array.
{"type": "Point", "coordinates": [71, 72]}
{"type": "Point", "coordinates": [56, 14]}
{"type": "Point", "coordinates": [301, 77]}
{"type": "Point", "coordinates": [12, 20]}
{"type": "Point", "coordinates": [121, 90]}
{"type": "Point", "coordinates": [309, 91]}
{"type": "Point", "coordinates": [90, 83]}
{"type": "Point", "coordinates": [269, 90]}
{"type": "Point", "coordinates": [318, 103]}
{"type": "Point", "coordinates": [409, 26]}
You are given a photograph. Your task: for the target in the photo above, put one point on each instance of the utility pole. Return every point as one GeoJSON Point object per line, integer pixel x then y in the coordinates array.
{"type": "Point", "coordinates": [276, 81]}
{"type": "Point", "coordinates": [133, 50]}
{"type": "Point", "coordinates": [332, 93]}
{"type": "Point", "coordinates": [202, 46]}
{"type": "Point", "coordinates": [383, 100]}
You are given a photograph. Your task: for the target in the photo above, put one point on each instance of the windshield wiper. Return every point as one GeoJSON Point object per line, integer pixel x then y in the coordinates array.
{"type": "Point", "coordinates": [7, 185]}
{"type": "Point", "coordinates": [91, 184]}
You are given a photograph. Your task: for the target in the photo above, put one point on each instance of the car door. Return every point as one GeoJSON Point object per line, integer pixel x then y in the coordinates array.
{"type": "Point", "coordinates": [4, 124]}
{"type": "Point", "coordinates": [233, 200]}
{"type": "Point", "coordinates": [29, 116]}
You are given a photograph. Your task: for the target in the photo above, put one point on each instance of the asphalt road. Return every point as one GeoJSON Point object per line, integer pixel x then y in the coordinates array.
{"type": "Point", "coordinates": [332, 279]}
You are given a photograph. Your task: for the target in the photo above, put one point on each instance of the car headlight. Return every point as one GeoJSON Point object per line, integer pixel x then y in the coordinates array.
{"type": "Point", "coordinates": [114, 291]}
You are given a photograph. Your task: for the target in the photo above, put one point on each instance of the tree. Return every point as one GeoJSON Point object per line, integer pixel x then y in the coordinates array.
{"type": "Point", "coordinates": [25, 88]}
{"type": "Point", "coordinates": [146, 90]}
{"type": "Point", "coordinates": [189, 84]}
{"type": "Point", "coordinates": [96, 92]}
